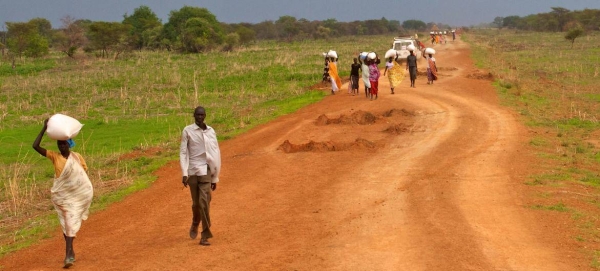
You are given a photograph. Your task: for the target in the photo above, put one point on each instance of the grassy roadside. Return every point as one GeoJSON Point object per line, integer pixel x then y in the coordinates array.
{"type": "Point", "coordinates": [134, 109]}
{"type": "Point", "coordinates": [555, 89]}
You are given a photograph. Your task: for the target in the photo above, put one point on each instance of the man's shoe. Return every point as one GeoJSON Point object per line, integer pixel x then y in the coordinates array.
{"type": "Point", "coordinates": [194, 231]}
{"type": "Point", "coordinates": [68, 262]}
{"type": "Point", "coordinates": [204, 242]}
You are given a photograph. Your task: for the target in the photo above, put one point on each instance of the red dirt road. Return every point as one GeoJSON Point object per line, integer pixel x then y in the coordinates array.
{"type": "Point", "coordinates": [430, 178]}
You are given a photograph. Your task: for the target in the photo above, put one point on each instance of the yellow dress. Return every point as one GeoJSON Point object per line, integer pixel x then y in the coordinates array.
{"type": "Point", "coordinates": [396, 75]}
{"type": "Point", "coordinates": [336, 81]}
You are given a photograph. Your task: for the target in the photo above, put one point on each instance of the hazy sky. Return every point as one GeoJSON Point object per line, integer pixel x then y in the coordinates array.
{"type": "Point", "coordinates": [452, 12]}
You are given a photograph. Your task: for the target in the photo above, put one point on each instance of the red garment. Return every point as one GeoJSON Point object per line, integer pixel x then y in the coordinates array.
{"type": "Point", "coordinates": [374, 87]}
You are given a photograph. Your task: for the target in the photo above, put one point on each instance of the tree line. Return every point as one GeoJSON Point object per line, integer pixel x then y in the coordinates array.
{"type": "Point", "coordinates": [188, 30]}
{"type": "Point", "coordinates": [558, 20]}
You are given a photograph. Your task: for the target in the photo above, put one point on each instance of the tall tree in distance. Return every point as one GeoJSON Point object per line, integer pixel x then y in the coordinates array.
{"type": "Point", "coordinates": [287, 27]}
{"type": "Point", "coordinates": [142, 19]}
{"type": "Point", "coordinates": [107, 36]}
{"type": "Point", "coordinates": [44, 27]}
{"type": "Point", "coordinates": [180, 31]}
{"type": "Point", "coordinates": [414, 25]}
{"type": "Point", "coordinates": [574, 33]}
{"type": "Point", "coordinates": [562, 16]}
{"type": "Point", "coordinates": [498, 22]}
{"type": "Point", "coordinates": [24, 39]}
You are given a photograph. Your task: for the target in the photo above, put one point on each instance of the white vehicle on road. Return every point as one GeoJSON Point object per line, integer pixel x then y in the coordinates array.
{"type": "Point", "coordinates": [401, 43]}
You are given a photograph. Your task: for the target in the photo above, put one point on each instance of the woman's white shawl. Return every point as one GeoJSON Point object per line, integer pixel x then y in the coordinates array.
{"type": "Point", "coordinates": [72, 195]}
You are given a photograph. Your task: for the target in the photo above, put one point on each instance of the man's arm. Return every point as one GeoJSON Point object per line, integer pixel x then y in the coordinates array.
{"type": "Point", "coordinates": [184, 157]}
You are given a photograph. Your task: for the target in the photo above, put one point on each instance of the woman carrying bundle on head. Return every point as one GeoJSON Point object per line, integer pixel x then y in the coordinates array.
{"type": "Point", "coordinates": [374, 74]}
{"type": "Point", "coordinates": [72, 191]}
{"type": "Point", "coordinates": [336, 81]}
{"type": "Point", "coordinates": [364, 67]}
{"type": "Point", "coordinates": [394, 72]}
{"type": "Point", "coordinates": [431, 67]}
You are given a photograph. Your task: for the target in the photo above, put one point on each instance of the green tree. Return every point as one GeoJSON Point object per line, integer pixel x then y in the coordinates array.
{"type": "Point", "coordinates": [322, 32]}
{"type": "Point", "coordinates": [43, 26]}
{"type": "Point", "coordinates": [562, 16]}
{"type": "Point", "coordinates": [511, 21]}
{"type": "Point", "coordinates": [287, 26]}
{"type": "Point", "coordinates": [142, 19]}
{"type": "Point", "coordinates": [107, 36]}
{"type": "Point", "coordinates": [246, 34]}
{"type": "Point", "coordinates": [177, 29]}
{"type": "Point", "coordinates": [232, 40]}
{"type": "Point", "coordinates": [414, 25]}
{"type": "Point", "coordinates": [153, 38]}
{"type": "Point", "coordinates": [498, 22]}
{"type": "Point", "coordinates": [573, 34]}
{"type": "Point", "coordinates": [199, 35]}
{"type": "Point", "coordinates": [24, 39]}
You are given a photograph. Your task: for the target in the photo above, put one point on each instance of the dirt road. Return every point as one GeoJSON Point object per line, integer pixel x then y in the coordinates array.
{"type": "Point", "coordinates": [430, 178]}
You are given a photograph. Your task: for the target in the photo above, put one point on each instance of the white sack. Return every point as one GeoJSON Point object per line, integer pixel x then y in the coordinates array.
{"type": "Point", "coordinates": [390, 53]}
{"type": "Point", "coordinates": [363, 55]}
{"type": "Point", "coordinates": [430, 51]}
{"type": "Point", "coordinates": [62, 127]}
{"type": "Point", "coordinates": [332, 53]}
{"type": "Point", "coordinates": [372, 55]}
{"type": "Point", "coordinates": [411, 48]}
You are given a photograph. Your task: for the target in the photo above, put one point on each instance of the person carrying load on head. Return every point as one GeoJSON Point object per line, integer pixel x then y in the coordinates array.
{"type": "Point", "coordinates": [71, 192]}
{"type": "Point", "coordinates": [411, 65]}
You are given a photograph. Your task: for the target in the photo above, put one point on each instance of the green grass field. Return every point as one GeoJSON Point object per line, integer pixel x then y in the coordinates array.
{"type": "Point", "coordinates": [555, 89]}
{"type": "Point", "coordinates": [139, 102]}
{"type": "Point", "coordinates": [553, 86]}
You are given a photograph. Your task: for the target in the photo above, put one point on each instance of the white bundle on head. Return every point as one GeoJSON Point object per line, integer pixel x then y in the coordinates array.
{"type": "Point", "coordinates": [390, 53]}
{"type": "Point", "coordinates": [363, 55]}
{"type": "Point", "coordinates": [430, 51]}
{"type": "Point", "coordinates": [63, 127]}
{"type": "Point", "coordinates": [332, 53]}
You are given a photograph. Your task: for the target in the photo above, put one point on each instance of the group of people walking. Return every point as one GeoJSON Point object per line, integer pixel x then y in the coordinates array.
{"type": "Point", "coordinates": [367, 65]}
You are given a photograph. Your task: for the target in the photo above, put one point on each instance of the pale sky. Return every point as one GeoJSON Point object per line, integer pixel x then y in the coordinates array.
{"type": "Point", "coordinates": [452, 12]}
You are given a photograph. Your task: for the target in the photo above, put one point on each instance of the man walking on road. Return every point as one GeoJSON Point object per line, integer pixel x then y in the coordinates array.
{"type": "Point", "coordinates": [200, 160]}
{"type": "Point", "coordinates": [411, 66]}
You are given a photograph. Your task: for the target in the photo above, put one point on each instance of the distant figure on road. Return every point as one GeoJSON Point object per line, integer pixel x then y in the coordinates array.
{"type": "Point", "coordinates": [354, 68]}
{"type": "Point", "coordinates": [200, 160]}
{"type": "Point", "coordinates": [72, 191]}
{"type": "Point", "coordinates": [336, 81]}
{"type": "Point", "coordinates": [431, 68]}
{"type": "Point", "coordinates": [411, 66]}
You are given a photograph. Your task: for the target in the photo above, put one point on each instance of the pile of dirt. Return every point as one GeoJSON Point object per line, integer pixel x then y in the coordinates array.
{"type": "Point", "coordinates": [358, 117]}
{"type": "Point", "coordinates": [398, 129]}
{"type": "Point", "coordinates": [398, 112]}
{"type": "Point", "coordinates": [327, 146]}
{"type": "Point", "coordinates": [481, 75]}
